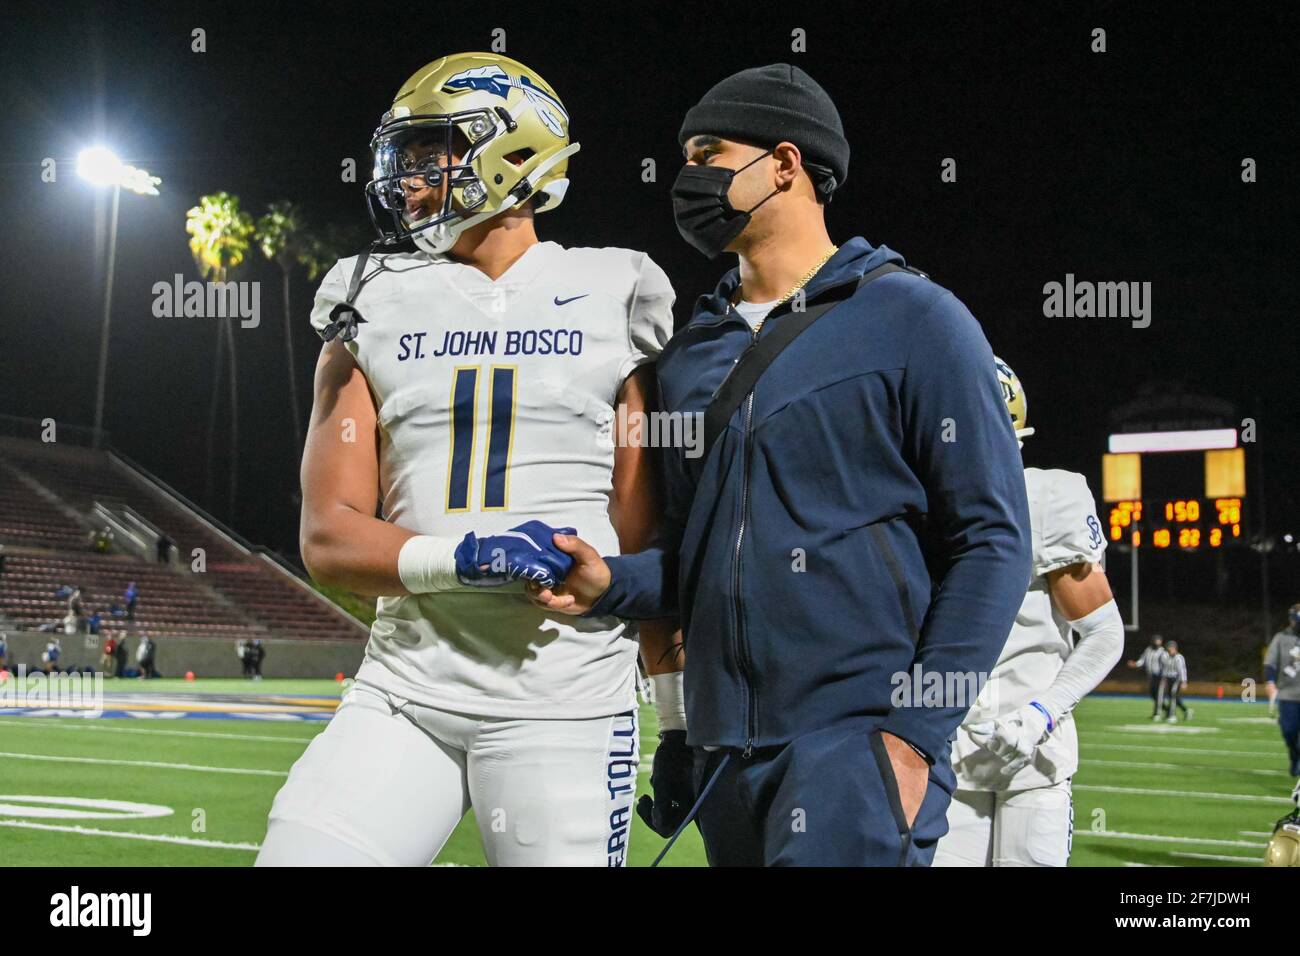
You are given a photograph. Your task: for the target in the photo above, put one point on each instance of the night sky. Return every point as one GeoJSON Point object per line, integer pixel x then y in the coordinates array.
{"type": "Point", "coordinates": [1122, 166]}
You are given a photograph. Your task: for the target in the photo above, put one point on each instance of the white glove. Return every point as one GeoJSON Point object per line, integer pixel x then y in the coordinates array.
{"type": "Point", "coordinates": [1015, 737]}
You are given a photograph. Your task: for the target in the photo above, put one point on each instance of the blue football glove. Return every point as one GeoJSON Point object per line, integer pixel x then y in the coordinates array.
{"type": "Point", "coordinates": [525, 551]}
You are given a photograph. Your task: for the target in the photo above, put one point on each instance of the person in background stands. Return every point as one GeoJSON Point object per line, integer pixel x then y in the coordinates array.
{"type": "Point", "coordinates": [50, 658]}
{"type": "Point", "coordinates": [119, 657]}
{"type": "Point", "coordinates": [145, 654]}
{"type": "Point", "coordinates": [132, 596]}
{"type": "Point", "coordinates": [258, 652]}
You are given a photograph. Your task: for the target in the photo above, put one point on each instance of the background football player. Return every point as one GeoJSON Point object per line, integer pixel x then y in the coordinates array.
{"type": "Point", "coordinates": [463, 385]}
{"type": "Point", "coordinates": [1282, 681]}
{"type": "Point", "coordinates": [1016, 750]}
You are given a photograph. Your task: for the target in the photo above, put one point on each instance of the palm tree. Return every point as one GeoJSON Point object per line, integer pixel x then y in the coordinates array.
{"type": "Point", "coordinates": [282, 239]}
{"type": "Point", "coordinates": [320, 250]}
{"type": "Point", "coordinates": [219, 240]}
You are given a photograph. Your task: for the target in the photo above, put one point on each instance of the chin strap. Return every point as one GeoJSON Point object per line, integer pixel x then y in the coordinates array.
{"type": "Point", "coordinates": [344, 317]}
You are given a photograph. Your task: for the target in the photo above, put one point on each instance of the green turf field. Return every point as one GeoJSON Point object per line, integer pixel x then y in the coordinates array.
{"type": "Point", "coordinates": [1203, 793]}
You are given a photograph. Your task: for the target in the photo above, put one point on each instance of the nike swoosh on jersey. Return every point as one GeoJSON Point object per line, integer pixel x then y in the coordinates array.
{"type": "Point", "coordinates": [559, 301]}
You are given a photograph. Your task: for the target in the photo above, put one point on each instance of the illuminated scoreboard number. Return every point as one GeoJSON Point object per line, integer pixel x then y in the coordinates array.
{"type": "Point", "coordinates": [1185, 523]}
{"type": "Point", "coordinates": [1126, 514]}
{"type": "Point", "coordinates": [1228, 511]}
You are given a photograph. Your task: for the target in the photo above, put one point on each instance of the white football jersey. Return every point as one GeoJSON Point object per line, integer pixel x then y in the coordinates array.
{"type": "Point", "coordinates": [1065, 531]}
{"type": "Point", "coordinates": [496, 405]}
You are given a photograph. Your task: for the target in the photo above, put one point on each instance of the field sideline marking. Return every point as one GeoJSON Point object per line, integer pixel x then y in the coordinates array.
{"type": "Point", "coordinates": [27, 722]}
{"type": "Point", "coordinates": [1183, 766]}
{"type": "Point", "coordinates": [1164, 838]}
{"type": "Point", "coordinates": [1248, 797]}
{"type": "Point", "coordinates": [153, 837]}
{"type": "Point", "coordinates": [1253, 861]}
{"type": "Point", "coordinates": [107, 761]}
{"type": "Point", "coordinates": [1186, 750]}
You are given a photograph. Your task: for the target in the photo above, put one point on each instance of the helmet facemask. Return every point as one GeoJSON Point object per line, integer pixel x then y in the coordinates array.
{"type": "Point", "coordinates": [427, 147]}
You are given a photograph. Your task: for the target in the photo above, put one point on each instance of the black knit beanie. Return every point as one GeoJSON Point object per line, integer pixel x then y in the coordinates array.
{"type": "Point", "coordinates": [766, 105]}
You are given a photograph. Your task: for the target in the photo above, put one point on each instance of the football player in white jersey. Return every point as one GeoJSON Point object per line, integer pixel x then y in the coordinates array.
{"type": "Point", "coordinates": [465, 386]}
{"type": "Point", "coordinates": [1016, 750]}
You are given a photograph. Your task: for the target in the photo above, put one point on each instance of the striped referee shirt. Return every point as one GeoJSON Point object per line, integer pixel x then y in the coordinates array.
{"type": "Point", "coordinates": [1174, 665]}
{"type": "Point", "coordinates": [1150, 660]}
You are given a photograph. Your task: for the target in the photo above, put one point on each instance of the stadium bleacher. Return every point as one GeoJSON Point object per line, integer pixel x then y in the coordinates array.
{"type": "Point", "coordinates": [47, 496]}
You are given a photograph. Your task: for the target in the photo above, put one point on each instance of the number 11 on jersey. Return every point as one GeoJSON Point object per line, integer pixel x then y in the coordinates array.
{"type": "Point", "coordinates": [464, 426]}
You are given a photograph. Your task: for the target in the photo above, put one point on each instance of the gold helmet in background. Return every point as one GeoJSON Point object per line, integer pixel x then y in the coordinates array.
{"type": "Point", "coordinates": [1013, 395]}
{"type": "Point", "coordinates": [478, 108]}
{"type": "Point", "coordinates": [1284, 847]}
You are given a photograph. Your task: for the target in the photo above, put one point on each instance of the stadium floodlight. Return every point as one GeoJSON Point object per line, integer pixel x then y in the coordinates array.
{"type": "Point", "coordinates": [100, 165]}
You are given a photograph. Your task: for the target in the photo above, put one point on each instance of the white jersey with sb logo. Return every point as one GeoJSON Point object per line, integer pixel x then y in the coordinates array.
{"type": "Point", "coordinates": [496, 405]}
{"type": "Point", "coordinates": [1065, 531]}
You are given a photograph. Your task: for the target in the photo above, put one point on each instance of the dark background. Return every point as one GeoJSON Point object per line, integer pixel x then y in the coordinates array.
{"type": "Point", "coordinates": [1122, 166]}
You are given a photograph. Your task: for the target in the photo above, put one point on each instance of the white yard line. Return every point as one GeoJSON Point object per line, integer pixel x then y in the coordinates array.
{"type": "Point", "coordinates": [27, 722]}
{"type": "Point", "coordinates": [1164, 838]}
{"type": "Point", "coordinates": [158, 764]}
{"type": "Point", "coordinates": [151, 837]}
{"type": "Point", "coordinates": [1183, 766]}
{"type": "Point", "coordinates": [1178, 748]}
{"type": "Point", "coordinates": [1142, 791]}
{"type": "Point", "coordinates": [1251, 860]}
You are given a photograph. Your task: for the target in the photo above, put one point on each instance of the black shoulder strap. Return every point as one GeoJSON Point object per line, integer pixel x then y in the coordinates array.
{"type": "Point", "coordinates": [754, 361]}
{"type": "Point", "coordinates": [344, 317]}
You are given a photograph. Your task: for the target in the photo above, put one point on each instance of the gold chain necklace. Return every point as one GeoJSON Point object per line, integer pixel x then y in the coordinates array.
{"type": "Point", "coordinates": [798, 285]}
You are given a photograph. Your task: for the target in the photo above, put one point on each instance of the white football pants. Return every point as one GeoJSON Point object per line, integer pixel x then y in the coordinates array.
{"type": "Point", "coordinates": [1008, 828]}
{"type": "Point", "coordinates": [387, 781]}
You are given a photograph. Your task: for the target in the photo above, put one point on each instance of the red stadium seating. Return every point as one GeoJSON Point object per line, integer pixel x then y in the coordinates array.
{"type": "Point", "coordinates": [46, 496]}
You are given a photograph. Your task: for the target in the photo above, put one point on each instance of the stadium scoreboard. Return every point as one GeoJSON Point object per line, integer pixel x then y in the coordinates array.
{"type": "Point", "coordinates": [1199, 492]}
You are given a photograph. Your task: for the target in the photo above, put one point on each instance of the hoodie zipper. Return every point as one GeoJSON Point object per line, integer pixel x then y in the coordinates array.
{"type": "Point", "coordinates": [743, 662]}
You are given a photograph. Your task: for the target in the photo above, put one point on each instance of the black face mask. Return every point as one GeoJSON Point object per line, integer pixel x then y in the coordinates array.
{"type": "Point", "coordinates": [705, 217]}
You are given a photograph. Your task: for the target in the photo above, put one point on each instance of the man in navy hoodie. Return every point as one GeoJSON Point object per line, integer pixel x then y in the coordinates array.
{"type": "Point", "coordinates": [847, 558]}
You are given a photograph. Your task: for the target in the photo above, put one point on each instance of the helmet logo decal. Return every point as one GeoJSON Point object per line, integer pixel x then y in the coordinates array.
{"type": "Point", "coordinates": [489, 79]}
{"type": "Point", "coordinates": [492, 79]}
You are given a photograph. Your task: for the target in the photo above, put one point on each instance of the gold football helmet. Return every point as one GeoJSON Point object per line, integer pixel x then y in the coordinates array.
{"type": "Point", "coordinates": [1284, 847]}
{"type": "Point", "coordinates": [473, 110]}
{"type": "Point", "coordinates": [1013, 394]}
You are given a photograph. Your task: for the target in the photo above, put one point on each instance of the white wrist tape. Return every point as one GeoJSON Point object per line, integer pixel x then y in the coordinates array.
{"type": "Point", "coordinates": [1099, 649]}
{"type": "Point", "coordinates": [428, 563]}
{"type": "Point", "coordinates": [670, 700]}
